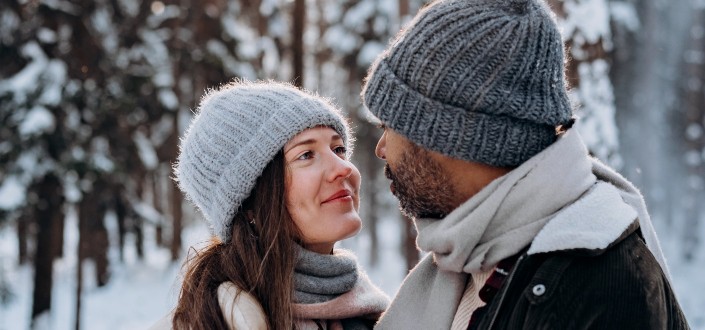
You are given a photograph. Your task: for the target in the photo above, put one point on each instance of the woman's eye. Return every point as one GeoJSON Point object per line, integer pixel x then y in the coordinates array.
{"type": "Point", "coordinates": [340, 150]}
{"type": "Point", "coordinates": [306, 155]}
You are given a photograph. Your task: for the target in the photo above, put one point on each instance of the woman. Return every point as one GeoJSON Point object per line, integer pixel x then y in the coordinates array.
{"type": "Point", "coordinates": [268, 166]}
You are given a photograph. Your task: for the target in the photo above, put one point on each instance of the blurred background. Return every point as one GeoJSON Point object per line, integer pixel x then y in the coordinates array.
{"type": "Point", "coordinates": [95, 94]}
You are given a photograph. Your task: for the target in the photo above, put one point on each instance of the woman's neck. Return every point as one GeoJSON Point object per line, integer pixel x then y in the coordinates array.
{"type": "Point", "coordinates": [322, 248]}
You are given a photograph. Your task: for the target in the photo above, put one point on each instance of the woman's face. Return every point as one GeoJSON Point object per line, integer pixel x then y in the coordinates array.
{"type": "Point", "coordinates": [322, 188]}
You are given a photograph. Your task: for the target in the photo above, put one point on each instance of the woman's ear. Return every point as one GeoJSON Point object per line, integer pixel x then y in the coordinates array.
{"type": "Point", "coordinates": [250, 216]}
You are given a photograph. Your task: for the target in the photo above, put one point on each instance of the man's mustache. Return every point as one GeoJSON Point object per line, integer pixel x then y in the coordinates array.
{"type": "Point", "coordinates": [388, 172]}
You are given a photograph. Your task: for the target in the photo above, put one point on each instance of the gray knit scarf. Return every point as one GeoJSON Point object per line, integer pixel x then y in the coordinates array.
{"type": "Point", "coordinates": [322, 277]}
{"type": "Point", "coordinates": [505, 217]}
{"type": "Point", "coordinates": [332, 288]}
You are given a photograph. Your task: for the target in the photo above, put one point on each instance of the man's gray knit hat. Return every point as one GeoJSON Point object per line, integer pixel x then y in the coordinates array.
{"type": "Point", "coordinates": [478, 80]}
{"type": "Point", "coordinates": [237, 131]}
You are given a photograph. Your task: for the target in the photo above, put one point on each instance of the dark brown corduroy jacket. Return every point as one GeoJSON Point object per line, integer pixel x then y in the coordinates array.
{"type": "Point", "coordinates": [620, 287]}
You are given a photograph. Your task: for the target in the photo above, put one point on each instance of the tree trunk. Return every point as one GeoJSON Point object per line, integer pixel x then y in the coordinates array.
{"type": "Point", "coordinates": [137, 219]}
{"type": "Point", "coordinates": [403, 8]}
{"type": "Point", "coordinates": [23, 236]}
{"type": "Point", "coordinates": [48, 213]}
{"type": "Point", "coordinates": [121, 215]}
{"type": "Point", "coordinates": [93, 241]}
{"type": "Point", "coordinates": [176, 216]}
{"type": "Point", "coordinates": [299, 19]}
{"type": "Point", "coordinates": [139, 236]}
{"type": "Point", "coordinates": [645, 75]}
{"type": "Point", "coordinates": [175, 198]}
{"type": "Point", "coordinates": [157, 202]}
{"type": "Point", "coordinates": [79, 289]}
{"type": "Point", "coordinates": [58, 237]}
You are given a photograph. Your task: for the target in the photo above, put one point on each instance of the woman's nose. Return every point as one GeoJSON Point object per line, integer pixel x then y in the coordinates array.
{"type": "Point", "coordinates": [341, 168]}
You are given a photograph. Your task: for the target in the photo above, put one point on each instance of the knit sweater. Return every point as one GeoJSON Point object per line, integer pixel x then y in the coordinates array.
{"type": "Point", "coordinates": [470, 301]}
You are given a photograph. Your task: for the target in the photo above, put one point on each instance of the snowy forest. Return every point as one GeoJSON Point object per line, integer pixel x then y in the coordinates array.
{"type": "Point", "coordinates": [95, 94]}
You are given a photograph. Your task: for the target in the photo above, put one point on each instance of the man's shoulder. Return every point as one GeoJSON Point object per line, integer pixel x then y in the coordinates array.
{"type": "Point", "coordinates": [624, 286]}
{"type": "Point", "coordinates": [627, 264]}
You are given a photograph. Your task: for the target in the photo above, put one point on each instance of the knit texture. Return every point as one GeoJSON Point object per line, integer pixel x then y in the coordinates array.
{"type": "Point", "coordinates": [470, 301]}
{"type": "Point", "coordinates": [236, 132]}
{"type": "Point", "coordinates": [332, 290]}
{"type": "Point", "coordinates": [478, 80]}
{"type": "Point", "coordinates": [323, 277]}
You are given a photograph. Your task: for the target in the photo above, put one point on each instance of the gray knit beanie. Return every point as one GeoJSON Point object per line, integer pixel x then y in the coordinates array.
{"type": "Point", "coordinates": [237, 131]}
{"type": "Point", "coordinates": [478, 80]}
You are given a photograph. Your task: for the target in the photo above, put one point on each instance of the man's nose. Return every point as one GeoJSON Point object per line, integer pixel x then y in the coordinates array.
{"type": "Point", "coordinates": [380, 149]}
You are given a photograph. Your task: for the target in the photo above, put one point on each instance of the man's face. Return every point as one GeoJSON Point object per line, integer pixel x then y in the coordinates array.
{"type": "Point", "coordinates": [418, 180]}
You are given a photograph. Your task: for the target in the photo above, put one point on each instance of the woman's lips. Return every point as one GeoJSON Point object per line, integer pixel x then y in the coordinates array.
{"type": "Point", "coordinates": [340, 196]}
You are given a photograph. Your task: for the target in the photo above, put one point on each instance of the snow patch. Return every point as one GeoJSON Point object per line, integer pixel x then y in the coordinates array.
{"type": "Point", "coordinates": [12, 193]}
{"type": "Point", "coordinates": [168, 98]}
{"type": "Point", "coordinates": [46, 36]}
{"type": "Point", "coordinates": [340, 40]}
{"type": "Point", "coordinates": [591, 30]}
{"type": "Point", "coordinates": [147, 212]}
{"type": "Point", "coordinates": [161, 130]}
{"type": "Point", "coordinates": [71, 190]}
{"type": "Point", "coordinates": [624, 13]}
{"type": "Point", "coordinates": [369, 52]}
{"type": "Point", "coordinates": [37, 121]}
{"type": "Point", "coordinates": [358, 14]}
{"type": "Point", "coordinates": [694, 131]}
{"type": "Point", "coordinates": [25, 81]}
{"type": "Point", "coordinates": [62, 5]}
{"type": "Point", "coordinates": [100, 158]}
{"type": "Point", "coordinates": [596, 97]}
{"type": "Point", "coordinates": [145, 150]}
{"type": "Point", "coordinates": [129, 7]}
{"type": "Point", "coordinates": [54, 76]}
{"type": "Point", "coordinates": [9, 22]}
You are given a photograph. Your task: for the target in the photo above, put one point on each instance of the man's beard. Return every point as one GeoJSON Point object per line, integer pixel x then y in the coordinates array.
{"type": "Point", "coordinates": [423, 189]}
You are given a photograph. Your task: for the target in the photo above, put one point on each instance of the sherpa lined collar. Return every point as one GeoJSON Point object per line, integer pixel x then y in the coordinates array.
{"type": "Point", "coordinates": [592, 224]}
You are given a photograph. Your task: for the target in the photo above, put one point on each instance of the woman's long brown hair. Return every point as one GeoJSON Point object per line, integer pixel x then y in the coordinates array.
{"type": "Point", "coordinates": [259, 259]}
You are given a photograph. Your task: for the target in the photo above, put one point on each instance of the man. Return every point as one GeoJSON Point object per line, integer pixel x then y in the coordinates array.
{"type": "Point", "coordinates": [524, 229]}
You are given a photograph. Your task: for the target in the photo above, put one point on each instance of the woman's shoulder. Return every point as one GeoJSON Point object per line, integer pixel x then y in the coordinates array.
{"type": "Point", "coordinates": [240, 309]}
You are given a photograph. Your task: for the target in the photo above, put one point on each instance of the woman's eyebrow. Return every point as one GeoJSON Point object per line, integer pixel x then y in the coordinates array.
{"type": "Point", "coordinates": [304, 142]}
{"type": "Point", "coordinates": [335, 137]}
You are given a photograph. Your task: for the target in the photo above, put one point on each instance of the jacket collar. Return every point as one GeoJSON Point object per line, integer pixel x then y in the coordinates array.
{"type": "Point", "coordinates": [596, 221]}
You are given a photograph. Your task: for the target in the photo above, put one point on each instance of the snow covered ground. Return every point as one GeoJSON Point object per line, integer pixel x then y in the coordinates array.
{"type": "Point", "coordinates": [142, 291]}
